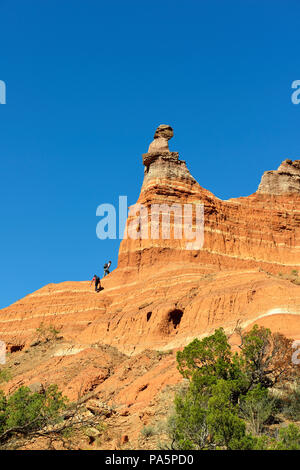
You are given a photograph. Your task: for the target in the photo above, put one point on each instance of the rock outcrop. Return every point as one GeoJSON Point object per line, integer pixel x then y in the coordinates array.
{"type": "Point", "coordinates": [163, 293]}
{"type": "Point", "coordinates": [160, 284]}
{"type": "Point", "coordinates": [161, 137]}
{"type": "Point", "coordinates": [259, 231]}
{"type": "Point", "coordinates": [160, 162]}
{"type": "Point", "coordinates": [285, 180]}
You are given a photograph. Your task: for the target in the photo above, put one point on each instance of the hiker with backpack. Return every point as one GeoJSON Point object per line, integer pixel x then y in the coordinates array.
{"type": "Point", "coordinates": [97, 281]}
{"type": "Point", "coordinates": [106, 268]}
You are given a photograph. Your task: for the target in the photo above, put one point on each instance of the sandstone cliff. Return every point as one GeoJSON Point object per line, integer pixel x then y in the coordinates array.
{"type": "Point", "coordinates": [246, 240]}
{"type": "Point", "coordinates": [162, 295]}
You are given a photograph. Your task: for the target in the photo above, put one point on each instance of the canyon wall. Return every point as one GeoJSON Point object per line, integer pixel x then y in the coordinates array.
{"type": "Point", "coordinates": [162, 294]}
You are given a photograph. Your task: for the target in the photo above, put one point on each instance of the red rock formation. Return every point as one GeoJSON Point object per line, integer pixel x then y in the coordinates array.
{"type": "Point", "coordinates": [285, 180]}
{"type": "Point", "coordinates": [162, 294]}
{"type": "Point", "coordinates": [259, 231]}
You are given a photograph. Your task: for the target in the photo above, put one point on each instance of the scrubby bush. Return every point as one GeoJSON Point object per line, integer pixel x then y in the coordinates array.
{"type": "Point", "coordinates": [5, 375]}
{"type": "Point", "coordinates": [228, 404]}
{"type": "Point", "coordinates": [24, 411]}
{"type": "Point", "coordinates": [47, 333]}
{"type": "Point", "coordinates": [289, 438]}
{"type": "Point", "coordinates": [26, 416]}
{"type": "Point", "coordinates": [147, 431]}
{"type": "Point", "coordinates": [257, 408]}
{"type": "Point", "coordinates": [291, 407]}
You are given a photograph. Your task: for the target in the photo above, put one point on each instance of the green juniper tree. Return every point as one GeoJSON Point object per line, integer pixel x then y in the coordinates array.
{"type": "Point", "coordinates": [227, 401]}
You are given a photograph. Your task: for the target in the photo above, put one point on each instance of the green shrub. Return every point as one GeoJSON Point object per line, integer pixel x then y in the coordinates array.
{"type": "Point", "coordinates": [228, 394]}
{"type": "Point", "coordinates": [289, 438]}
{"type": "Point", "coordinates": [188, 427]}
{"type": "Point", "coordinates": [47, 333]}
{"type": "Point", "coordinates": [257, 407]}
{"type": "Point", "coordinates": [291, 408]}
{"type": "Point", "coordinates": [24, 411]}
{"type": "Point", "coordinates": [225, 426]}
{"type": "Point", "coordinates": [5, 375]}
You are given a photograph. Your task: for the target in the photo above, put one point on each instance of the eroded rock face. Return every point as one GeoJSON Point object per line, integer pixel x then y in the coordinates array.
{"type": "Point", "coordinates": [160, 162]}
{"type": "Point", "coordinates": [258, 231]}
{"type": "Point", "coordinates": [285, 180]}
{"type": "Point", "coordinates": [162, 295]}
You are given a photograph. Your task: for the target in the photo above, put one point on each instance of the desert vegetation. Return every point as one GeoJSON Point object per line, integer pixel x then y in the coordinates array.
{"type": "Point", "coordinates": [293, 277]}
{"type": "Point", "coordinates": [44, 419]}
{"type": "Point", "coordinates": [247, 400]}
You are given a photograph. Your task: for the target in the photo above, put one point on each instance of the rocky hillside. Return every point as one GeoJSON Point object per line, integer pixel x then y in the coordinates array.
{"type": "Point", "coordinates": [165, 290]}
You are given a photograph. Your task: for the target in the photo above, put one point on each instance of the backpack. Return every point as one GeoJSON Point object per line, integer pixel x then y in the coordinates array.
{"type": "Point", "coordinates": [105, 266]}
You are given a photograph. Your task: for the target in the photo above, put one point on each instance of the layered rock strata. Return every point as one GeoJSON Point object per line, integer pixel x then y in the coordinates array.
{"type": "Point", "coordinates": [285, 180]}
{"type": "Point", "coordinates": [163, 294]}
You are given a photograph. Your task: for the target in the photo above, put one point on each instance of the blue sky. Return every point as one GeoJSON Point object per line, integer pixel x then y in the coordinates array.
{"type": "Point", "coordinates": [87, 84]}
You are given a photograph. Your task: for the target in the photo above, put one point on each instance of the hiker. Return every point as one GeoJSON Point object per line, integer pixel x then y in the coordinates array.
{"type": "Point", "coordinates": [96, 279]}
{"type": "Point", "coordinates": [106, 268]}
